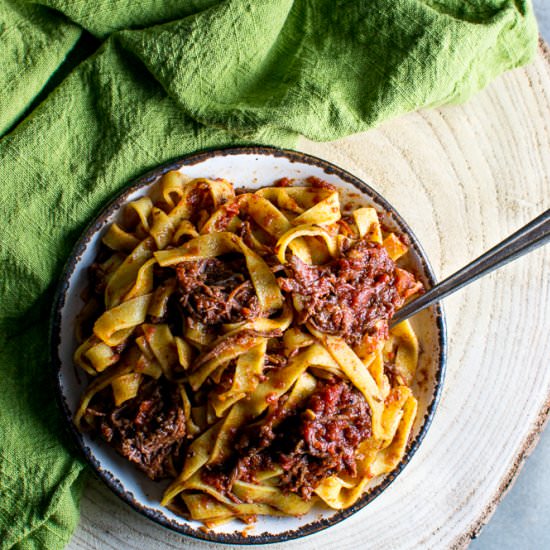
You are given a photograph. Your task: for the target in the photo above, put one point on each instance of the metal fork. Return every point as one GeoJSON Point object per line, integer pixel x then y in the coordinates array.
{"type": "Point", "coordinates": [526, 239]}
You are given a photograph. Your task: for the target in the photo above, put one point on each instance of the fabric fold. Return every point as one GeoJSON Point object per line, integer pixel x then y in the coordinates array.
{"type": "Point", "coordinates": [25, 33]}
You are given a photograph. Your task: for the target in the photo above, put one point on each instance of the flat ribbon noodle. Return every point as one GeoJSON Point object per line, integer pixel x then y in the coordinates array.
{"type": "Point", "coordinates": [248, 371]}
{"type": "Point", "coordinates": [124, 278]}
{"type": "Point", "coordinates": [325, 212]}
{"type": "Point", "coordinates": [304, 197]}
{"type": "Point", "coordinates": [144, 281]}
{"type": "Point", "coordinates": [404, 340]}
{"type": "Point", "coordinates": [125, 387]}
{"type": "Point", "coordinates": [216, 244]}
{"type": "Point", "coordinates": [394, 246]}
{"type": "Point", "coordinates": [368, 224]}
{"type": "Point", "coordinates": [118, 239]}
{"type": "Point", "coordinates": [116, 324]}
{"type": "Point", "coordinates": [197, 378]}
{"type": "Point", "coordinates": [388, 458]}
{"type": "Point", "coordinates": [205, 508]}
{"type": "Point", "coordinates": [163, 346]}
{"type": "Point", "coordinates": [101, 356]}
{"type": "Point", "coordinates": [172, 183]}
{"type": "Point", "coordinates": [265, 494]}
{"type": "Point", "coordinates": [197, 456]}
{"type": "Point", "coordinates": [142, 208]}
{"type": "Point", "coordinates": [307, 230]}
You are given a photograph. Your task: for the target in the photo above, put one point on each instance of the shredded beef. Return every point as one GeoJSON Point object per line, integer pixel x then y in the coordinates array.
{"type": "Point", "coordinates": [215, 291]}
{"type": "Point", "coordinates": [216, 477]}
{"type": "Point", "coordinates": [256, 438]}
{"type": "Point", "coordinates": [147, 429]}
{"type": "Point", "coordinates": [351, 294]}
{"type": "Point", "coordinates": [312, 444]}
{"type": "Point", "coordinates": [325, 441]}
{"type": "Point", "coordinates": [250, 464]}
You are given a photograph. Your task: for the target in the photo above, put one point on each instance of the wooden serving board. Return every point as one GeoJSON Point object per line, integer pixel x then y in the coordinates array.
{"type": "Point", "coordinates": [464, 178]}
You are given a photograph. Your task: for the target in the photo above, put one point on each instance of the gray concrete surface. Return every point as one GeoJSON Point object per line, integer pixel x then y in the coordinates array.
{"type": "Point", "coordinates": [522, 519]}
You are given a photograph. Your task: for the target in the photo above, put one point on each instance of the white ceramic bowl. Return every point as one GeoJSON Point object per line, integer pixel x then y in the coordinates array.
{"type": "Point", "coordinates": [252, 167]}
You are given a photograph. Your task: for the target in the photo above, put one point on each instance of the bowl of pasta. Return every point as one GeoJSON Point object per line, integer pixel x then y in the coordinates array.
{"type": "Point", "coordinates": [223, 349]}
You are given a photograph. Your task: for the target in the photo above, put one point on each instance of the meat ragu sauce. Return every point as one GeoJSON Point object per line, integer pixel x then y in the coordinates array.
{"type": "Point", "coordinates": [353, 296]}
{"type": "Point", "coordinates": [148, 430]}
{"type": "Point", "coordinates": [215, 291]}
{"type": "Point", "coordinates": [311, 443]}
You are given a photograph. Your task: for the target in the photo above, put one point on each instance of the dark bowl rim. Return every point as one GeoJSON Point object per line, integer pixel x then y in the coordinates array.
{"type": "Point", "coordinates": [116, 485]}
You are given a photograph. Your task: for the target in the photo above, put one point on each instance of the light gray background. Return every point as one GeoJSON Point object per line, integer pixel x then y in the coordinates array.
{"type": "Point", "coordinates": [522, 520]}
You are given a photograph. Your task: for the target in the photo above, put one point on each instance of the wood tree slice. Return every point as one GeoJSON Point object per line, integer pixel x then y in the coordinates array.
{"type": "Point", "coordinates": [464, 177]}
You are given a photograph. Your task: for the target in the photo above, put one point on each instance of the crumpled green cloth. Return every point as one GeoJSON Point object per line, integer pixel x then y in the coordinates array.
{"type": "Point", "coordinates": [95, 92]}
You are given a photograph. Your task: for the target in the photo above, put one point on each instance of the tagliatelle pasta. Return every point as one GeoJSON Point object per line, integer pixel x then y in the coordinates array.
{"type": "Point", "coordinates": [237, 342]}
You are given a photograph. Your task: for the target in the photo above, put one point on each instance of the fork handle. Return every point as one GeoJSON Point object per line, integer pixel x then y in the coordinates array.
{"type": "Point", "coordinates": [536, 233]}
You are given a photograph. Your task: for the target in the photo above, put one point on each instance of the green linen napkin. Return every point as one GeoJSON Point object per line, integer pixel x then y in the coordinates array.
{"type": "Point", "coordinates": [94, 93]}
